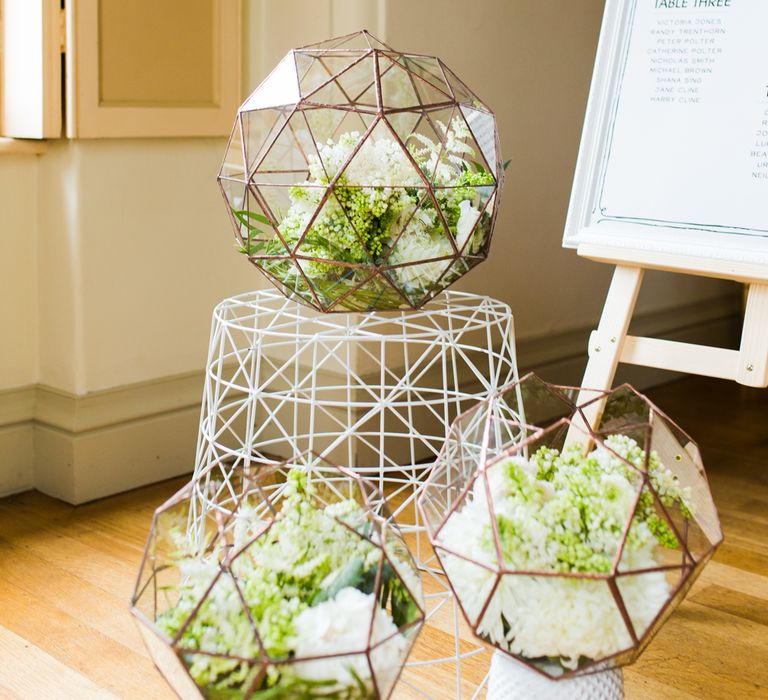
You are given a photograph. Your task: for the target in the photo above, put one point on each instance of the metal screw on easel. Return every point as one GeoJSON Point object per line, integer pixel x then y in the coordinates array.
{"type": "Point", "coordinates": [750, 368]}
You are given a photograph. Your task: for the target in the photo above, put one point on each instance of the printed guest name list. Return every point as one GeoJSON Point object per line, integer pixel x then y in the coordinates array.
{"type": "Point", "coordinates": [690, 132]}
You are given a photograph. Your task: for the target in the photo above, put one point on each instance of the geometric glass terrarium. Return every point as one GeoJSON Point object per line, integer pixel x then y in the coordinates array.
{"type": "Point", "coordinates": [300, 586]}
{"type": "Point", "coordinates": [360, 178]}
{"type": "Point", "coordinates": [568, 544]}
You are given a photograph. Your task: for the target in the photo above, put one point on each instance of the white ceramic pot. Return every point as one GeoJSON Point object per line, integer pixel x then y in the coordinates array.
{"type": "Point", "coordinates": [509, 680]}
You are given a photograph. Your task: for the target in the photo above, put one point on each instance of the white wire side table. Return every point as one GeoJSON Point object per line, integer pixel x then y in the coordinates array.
{"type": "Point", "coordinates": [375, 392]}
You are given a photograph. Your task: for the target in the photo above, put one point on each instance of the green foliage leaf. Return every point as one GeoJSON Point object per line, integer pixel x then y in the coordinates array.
{"type": "Point", "coordinates": [351, 576]}
{"type": "Point", "coordinates": [244, 217]}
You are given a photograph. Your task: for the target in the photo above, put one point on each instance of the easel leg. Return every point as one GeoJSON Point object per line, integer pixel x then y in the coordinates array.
{"type": "Point", "coordinates": [606, 342]}
{"type": "Point", "coordinates": [753, 353]}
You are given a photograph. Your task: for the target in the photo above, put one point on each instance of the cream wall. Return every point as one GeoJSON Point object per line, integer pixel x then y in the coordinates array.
{"type": "Point", "coordinates": [143, 231]}
{"type": "Point", "coordinates": [115, 251]}
{"type": "Point", "coordinates": [18, 317]}
{"type": "Point", "coordinates": [18, 270]}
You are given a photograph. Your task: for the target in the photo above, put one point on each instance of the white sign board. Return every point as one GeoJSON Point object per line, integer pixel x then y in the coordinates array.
{"type": "Point", "coordinates": [674, 155]}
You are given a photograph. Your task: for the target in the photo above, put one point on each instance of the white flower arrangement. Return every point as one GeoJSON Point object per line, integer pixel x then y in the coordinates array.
{"type": "Point", "coordinates": [563, 513]}
{"type": "Point", "coordinates": [303, 592]}
{"type": "Point", "coordinates": [379, 214]}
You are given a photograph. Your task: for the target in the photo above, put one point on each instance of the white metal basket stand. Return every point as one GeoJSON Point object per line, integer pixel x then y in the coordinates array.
{"type": "Point", "coordinates": [375, 392]}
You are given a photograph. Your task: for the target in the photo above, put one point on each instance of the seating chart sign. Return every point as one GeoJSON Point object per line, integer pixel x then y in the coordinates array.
{"type": "Point", "coordinates": [675, 146]}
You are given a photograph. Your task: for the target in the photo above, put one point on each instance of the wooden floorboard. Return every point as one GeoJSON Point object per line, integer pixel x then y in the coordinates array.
{"type": "Point", "coordinates": [66, 575]}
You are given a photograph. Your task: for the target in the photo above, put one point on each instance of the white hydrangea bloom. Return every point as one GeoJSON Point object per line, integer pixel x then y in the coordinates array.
{"type": "Point", "coordinates": [341, 626]}
{"type": "Point", "coordinates": [467, 220]}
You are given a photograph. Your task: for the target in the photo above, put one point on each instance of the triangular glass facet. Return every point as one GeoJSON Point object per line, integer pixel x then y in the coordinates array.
{"type": "Point", "coordinates": [280, 88]}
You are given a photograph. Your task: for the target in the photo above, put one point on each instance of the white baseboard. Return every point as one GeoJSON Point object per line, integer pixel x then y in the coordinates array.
{"type": "Point", "coordinates": [79, 448]}
{"type": "Point", "coordinates": [17, 458]}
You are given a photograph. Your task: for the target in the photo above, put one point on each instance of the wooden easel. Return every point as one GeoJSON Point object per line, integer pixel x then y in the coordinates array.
{"type": "Point", "coordinates": [618, 216]}
{"type": "Point", "coordinates": [610, 344]}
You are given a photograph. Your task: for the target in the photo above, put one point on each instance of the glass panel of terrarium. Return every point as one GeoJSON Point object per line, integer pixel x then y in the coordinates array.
{"type": "Point", "coordinates": [330, 236]}
{"type": "Point", "coordinates": [538, 609]}
{"type": "Point", "coordinates": [681, 511]}
{"type": "Point", "coordinates": [552, 438]}
{"type": "Point", "coordinates": [629, 443]}
{"type": "Point", "coordinates": [425, 138]}
{"type": "Point", "coordinates": [286, 274]}
{"type": "Point", "coordinates": [219, 675]}
{"type": "Point", "coordinates": [279, 89]}
{"type": "Point", "coordinates": [358, 82]}
{"type": "Point", "coordinates": [330, 280]}
{"type": "Point", "coordinates": [469, 434]}
{"type": "Point", "coordinates": [671, 447]}
{"type": "Point", "coordinates": [332, 669]}
{"type": "Point", "coordinates": [403, 565]}
{"type": "Point", "coordinates": [169, 663]}
{"type": "Point", "coordinates": [221, 620]}
{"type": "Point", "coordinates": [416, 232]}
{"type": "Point", "coordinates": [290, 208]}
{"type": "Point", "coordinates": [167, 556]}
{"type": "Point", "coordinates": [472, 582]}
{"type": "Point", "coordinates": [428, 69]}
{"type": "Point", "coordinates": [470, 152]}
{"type": "Point", "coordinates": [646, 594]}
{"type": "Point", "coordinates": [349, 87]}
{"type": "Point", "coordinates": [410, 213]}
{"type": "Point", "coordinates": [236, 195]}
{"type": "Point", "coordinates": [286, 159]}
{"type": "Point", "coordinates": [461, 93]}
{"type": "Point", "coordinates": [538, 403]}
{"type": "Point", "coordinates": [388, 657]}
{"type": "Point", "coordinates": [417, 281]}
{"type": "Point", "coordinates": [376, 43]}
{"type": "Point", "coordinates": [439, 492]}
{"type": "Point", "coordinates": [330, 94]}
{"type": "Point", "coordinates": [335, 133]}
{"type": "Point", "coordinates": [486, 223]}
{"type": "Point", "coordinates": [260, 128]}
{"type": "Point", "coordinates": [217, 608]}
{"type": "Point", "coordinates": [312, 72]}
{"type": "Point", "coordinates": [373, 213]}
{"type": "Point", "coordinates": [397, 85]}
{"type": "Point", "coordinates": [623, 407]}
{"type": "Point", "coordinates": [254, 227]}
{"type": "Point", "coordinates": [334, 63]}
{"type": "Point", "coordinates": [427, 93]}
{"type": "Point", "coordinates": [375, 294]}
{"type": "Point", "coordinates": [459, 268]}
{"type": "Point", "coordinates": [233, 165]}
{"type": "Point", "coordinates": [505, 428]}
{"type": "Point", "coordinates": [464, 211]}
{"type": "Point", "coordinates": [652, 539]}
{"type": "Point", "coordinates": [455, 147]}
{"type": "Point", "coordinates": [422, 236]}
{"type": "Point", "coordinates": [483, 126]}
{"type": "Point", "coordinates": [381, 162]}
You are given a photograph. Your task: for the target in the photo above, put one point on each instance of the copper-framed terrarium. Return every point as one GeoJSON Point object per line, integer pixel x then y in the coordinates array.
{"type": "Point", "coordinates": [569, 544]}
{"type": "Point", "coordinates": [358, 177]}
{"type": "Point", "coordinates": [301, 586]}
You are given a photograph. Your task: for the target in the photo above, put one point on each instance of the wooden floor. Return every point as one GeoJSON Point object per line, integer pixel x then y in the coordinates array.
{"type": "Point", "coordinates": [66, 575]}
